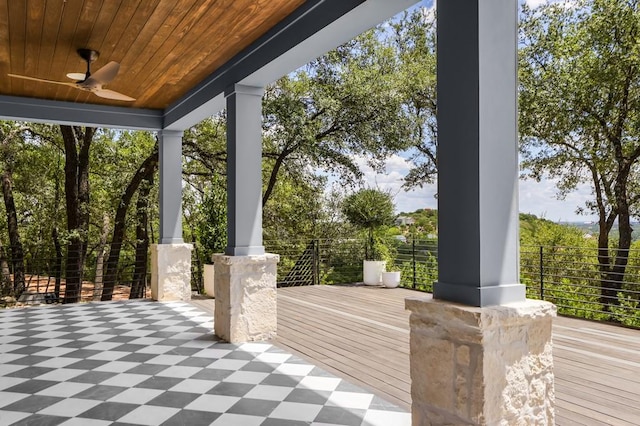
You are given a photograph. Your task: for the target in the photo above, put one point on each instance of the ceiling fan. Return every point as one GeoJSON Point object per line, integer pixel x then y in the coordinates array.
{"type": "Point", "coordinates": [89, 82]}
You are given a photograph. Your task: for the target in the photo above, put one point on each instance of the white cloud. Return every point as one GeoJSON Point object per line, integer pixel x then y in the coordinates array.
{"type": "Point", "coordinates": [540, 198]}
{"type": "Point", "coordinates": [428, 12]}
{"type": "Point", "coordinates": [396, 168]}
{"type": "Point", "coordinates": [566, 4]}
{"type": "Point", "coordinates": [535, 3]}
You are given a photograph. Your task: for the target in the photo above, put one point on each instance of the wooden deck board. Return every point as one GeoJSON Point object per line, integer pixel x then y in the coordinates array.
{"type": "Point", "coordinates": [362, 334]}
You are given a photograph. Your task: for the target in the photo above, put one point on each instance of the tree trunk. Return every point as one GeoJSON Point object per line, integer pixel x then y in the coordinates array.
{"type": "Point", "coordinates": [77, 144]}
{"type": "Point", "coordinates": [198, 276]}
{"type": "Point", "coordinates": [612, 270]}
{"type": "Point", "coordinates": [138, 285]}
{"type": "Point", "coordinates": [98, 283]}
{"type": "Point", "coordinates": [5, 273]}
{"type": "Point", "coordinates": [607, 293]}
{"type": "Point", "coordinates": [15, 244]}
{"type": "Point", "coordinates": [57, 265]}
{"type": "Point", "coordinates": [148, 167]}
{"type": "Point", "coordinates": [617, 268]}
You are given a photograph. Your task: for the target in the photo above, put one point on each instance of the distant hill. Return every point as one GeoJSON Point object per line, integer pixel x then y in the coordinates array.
{"type": "Point", "coordinates": [425, 221]}
{"type": "Point", "coordinates": [591, 228]}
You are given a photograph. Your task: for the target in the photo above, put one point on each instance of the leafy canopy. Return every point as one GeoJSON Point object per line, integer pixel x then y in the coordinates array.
{"type": "Point", "coordinates": [369, 209]}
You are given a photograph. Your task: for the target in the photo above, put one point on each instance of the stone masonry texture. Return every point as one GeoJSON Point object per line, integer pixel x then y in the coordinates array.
{"type": "Point", "coordinates": [171, 272]}
{"type": "Point", "coordinates": [246, 297]}
{"type": "Point", "coordinates": [481, 366]}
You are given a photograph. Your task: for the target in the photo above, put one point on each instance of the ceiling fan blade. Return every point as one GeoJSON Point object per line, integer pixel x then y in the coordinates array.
{"type": "Point", "coordinates": [77, 76]}
{"type": "Point", "coordinates": [24, 77]}
{"type": "Point", "coordinates": [105, 74]}
{"type": "Point", "coordinates": [110, 94]}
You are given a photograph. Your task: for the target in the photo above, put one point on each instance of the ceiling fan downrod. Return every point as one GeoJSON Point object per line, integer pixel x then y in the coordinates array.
{"type": "Point", "coordinates": [89, 56]}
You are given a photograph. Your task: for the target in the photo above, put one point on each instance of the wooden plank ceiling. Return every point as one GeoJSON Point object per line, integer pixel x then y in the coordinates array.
{"type": "Point", "coordinates": [164, 47]}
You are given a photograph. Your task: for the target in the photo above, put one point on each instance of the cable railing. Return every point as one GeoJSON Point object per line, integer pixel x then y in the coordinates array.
{"type": "Point", "coordinates": [573, 278]}
{"type": "Point", "coordinates": [44, 275]}
{"type": "Point", "coordinates": [339, 261]}
{"type": "Point", "coordinates": [578, 280]}
{"type": "Point", "coordinates": [583, 284]}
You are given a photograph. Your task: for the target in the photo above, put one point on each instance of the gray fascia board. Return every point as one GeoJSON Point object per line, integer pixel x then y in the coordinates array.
{"type": "Point", "coordinates": [356, 21]}
{"type": "Point", "coordinates": [58, 112]}
{"type": "Point", "coordinates": [313, 29]}
{"type": "Point", "coordinates": [197, 114]}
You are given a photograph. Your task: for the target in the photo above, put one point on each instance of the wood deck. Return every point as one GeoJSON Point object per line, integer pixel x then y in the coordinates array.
{"type": "Point", "coordinates": [362, 334]}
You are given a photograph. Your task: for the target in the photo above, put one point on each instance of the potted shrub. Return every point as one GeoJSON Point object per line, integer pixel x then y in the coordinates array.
{"type": "Point", "coordinates": [391, 278]}
{"type": "Point", "coordinates": [370, 209]}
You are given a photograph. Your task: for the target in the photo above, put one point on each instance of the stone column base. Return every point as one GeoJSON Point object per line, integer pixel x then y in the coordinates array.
{"type": "Point", "coordinates": [246, 297]}
{"type": "Point", "coordinates": [171, 272]}
{"type": "Point", "coordinates": [209, 273]}
{"type": "Point", "coordinates": [481, 366]}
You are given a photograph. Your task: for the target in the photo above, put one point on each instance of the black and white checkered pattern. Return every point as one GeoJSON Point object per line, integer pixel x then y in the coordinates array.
{"type": "Point", "coordinates": [148, 363]}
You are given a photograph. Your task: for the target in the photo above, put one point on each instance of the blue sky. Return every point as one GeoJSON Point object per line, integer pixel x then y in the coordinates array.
{"type": "Point", "coordinates": [537, 198]}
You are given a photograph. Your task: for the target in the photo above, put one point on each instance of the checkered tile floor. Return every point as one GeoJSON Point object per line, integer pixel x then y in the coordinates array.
{"type": "Point", "coordinates": [147, 363]}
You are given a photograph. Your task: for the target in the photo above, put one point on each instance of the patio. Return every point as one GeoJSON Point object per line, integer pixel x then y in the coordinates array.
{"type": "Point", "coordinates": [341, 358]}
{"type": "Point", "coordinates": [150, 363]}
{"type": "Point", "coordinates": [188, 66]}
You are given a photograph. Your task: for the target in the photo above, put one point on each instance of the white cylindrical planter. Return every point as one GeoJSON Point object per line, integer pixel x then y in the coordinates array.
{"type": "Point", "coordinates": [208, 280]}
{"type": "Point", "coordinates": [391, 279]}
{"type": "Point", "coordinates": [372, 271]}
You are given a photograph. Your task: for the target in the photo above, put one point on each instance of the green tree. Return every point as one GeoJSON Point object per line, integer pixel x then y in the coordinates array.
{"type": "Point", "coordinates": [10, 141]}
{"type": "Point", "coordinates": [580, 113]}
{"type": "Point", "coordinates": [413, 40]}
{"type": "Point", "coordinates": [369, 209]}
{"type": "Point", "coordinates": [345, 103]}
{"type": "Point", "coordinates": [77, 145]}
{"type": "Point", "coordinates": [212, 226]}
{"type": "Point", "coordinates": [140, 182]}
{"type": "Point", "coordinates": [38, 191]}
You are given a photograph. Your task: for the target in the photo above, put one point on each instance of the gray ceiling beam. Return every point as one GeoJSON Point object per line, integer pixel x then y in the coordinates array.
{"type": "Point", "coordinates": [58, 112]}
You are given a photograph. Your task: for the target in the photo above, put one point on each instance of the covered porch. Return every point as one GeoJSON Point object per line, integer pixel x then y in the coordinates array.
{"type": "Point", "coordinates": [222, 56]}
{"type": "Point", "coordinates": [341, 358]}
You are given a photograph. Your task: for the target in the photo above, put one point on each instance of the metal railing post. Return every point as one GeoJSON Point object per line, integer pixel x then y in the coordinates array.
{"type": "Point", "coordinates": [541, 273]}
{"type": "Point", "coordinates": [316, 262]}
{"type": "Point", "coordinates": [413, 258]}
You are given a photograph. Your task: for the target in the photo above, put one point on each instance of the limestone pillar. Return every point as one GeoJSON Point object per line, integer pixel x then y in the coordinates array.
{"type": "Point", "coordinates": [480, 352]}
{"type": "Point", "coordinates": [246, 298]}
{"type": "Point", "coordinates": [171, 259]}
{"type": "Point", "coordinates": [245, 276]}
{"type": "Point", "coordinates": [481, 366]}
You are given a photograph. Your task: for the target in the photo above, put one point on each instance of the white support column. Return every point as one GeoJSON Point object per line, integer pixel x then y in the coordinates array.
{"type": "Point", "coordinates": [244, 170]}
{"type": "Point", "coordinates": [171, 259]}
{"type": "Point", "coordinates": [170, 165]}
{"type": "Point", "coordinates": [245, 276]}
{"type": "Point", "coordinates": [480, 352]}
{"type": "Point", "coordinates": [477, 153]}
